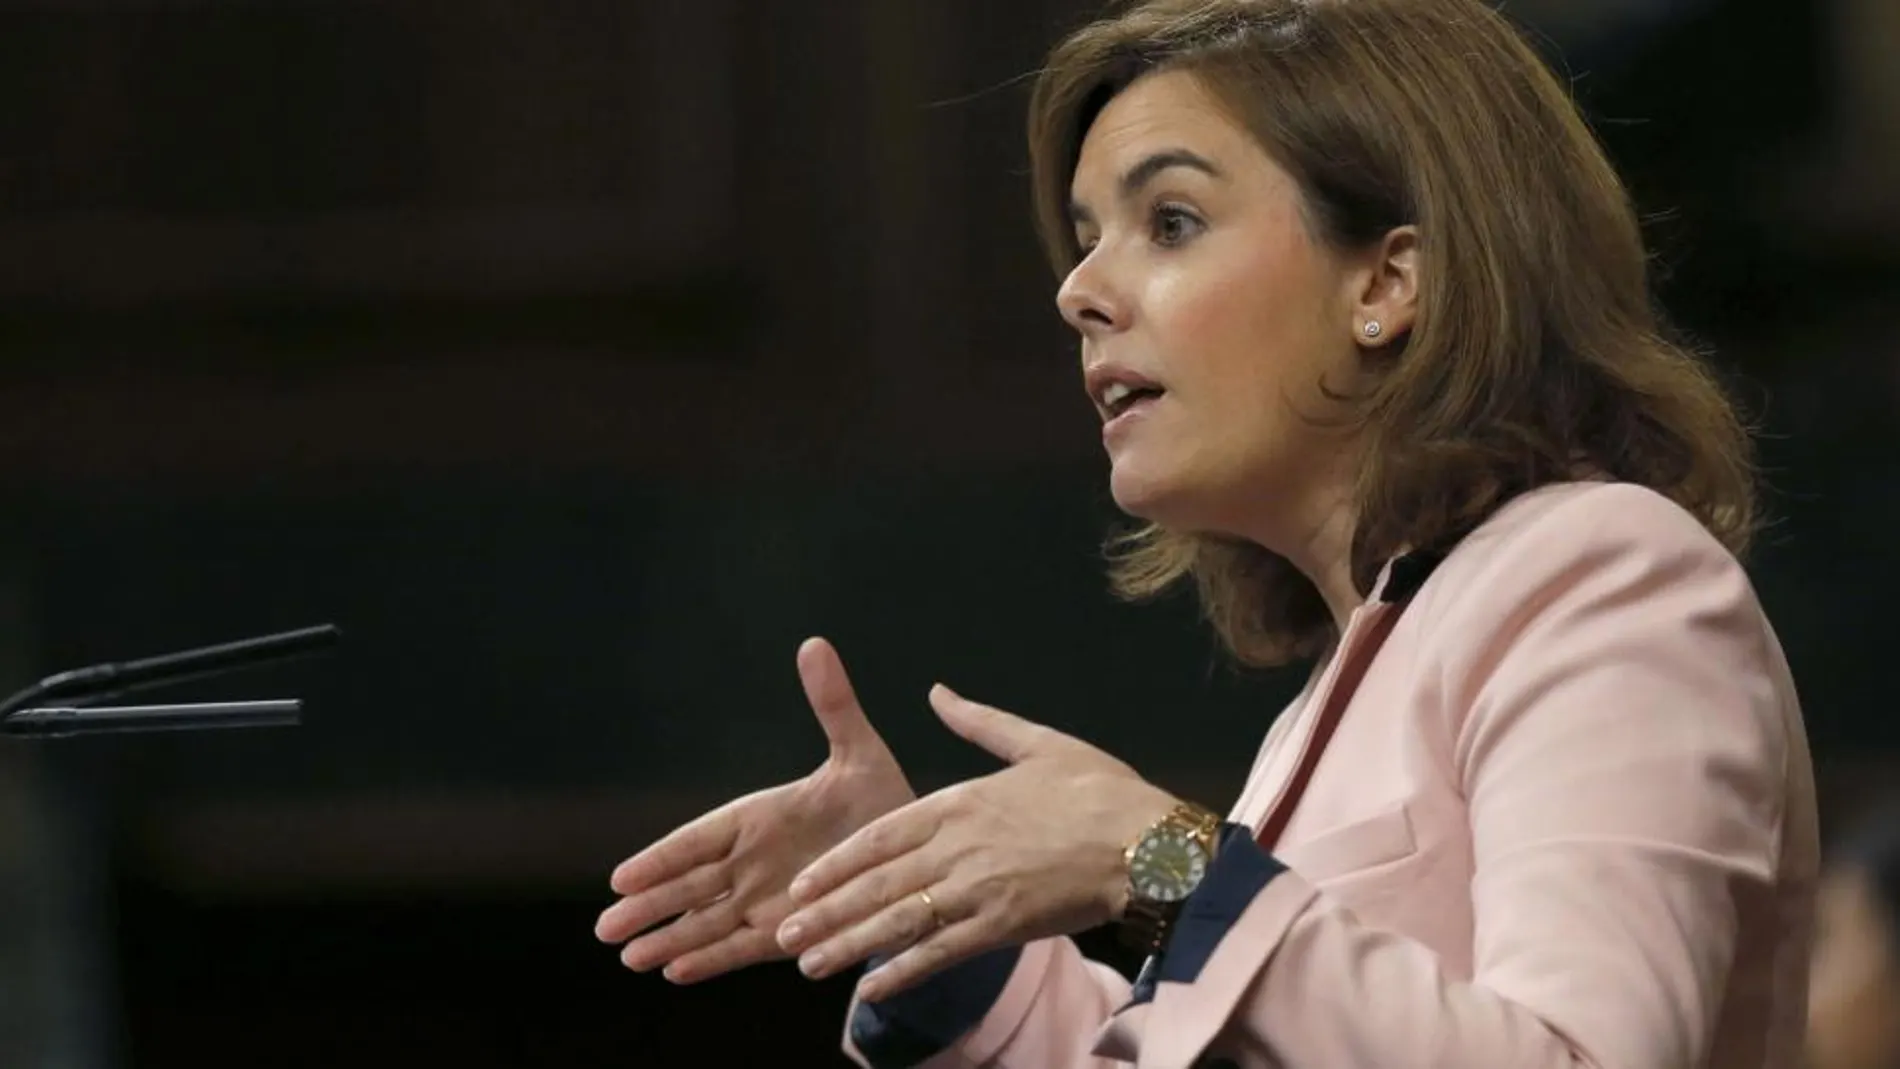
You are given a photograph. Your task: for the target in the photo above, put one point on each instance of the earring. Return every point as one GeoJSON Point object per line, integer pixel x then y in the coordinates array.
{"type": "Point", "coordinates": [1373, 329]}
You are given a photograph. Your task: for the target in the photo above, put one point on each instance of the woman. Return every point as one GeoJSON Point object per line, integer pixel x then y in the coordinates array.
{"type": "Point", "coordinates": [1854, 1004]}
{"type": "Point", "coordinates": [1364, 311]}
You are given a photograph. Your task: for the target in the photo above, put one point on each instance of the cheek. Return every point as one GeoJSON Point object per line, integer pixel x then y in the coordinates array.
{"type": "Point", "coordinates": [1250, 329]}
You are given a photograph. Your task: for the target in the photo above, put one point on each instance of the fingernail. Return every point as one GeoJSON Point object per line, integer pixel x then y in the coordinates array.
{"type": "Point", "coordinates": [789, 933]}
{"type": "Point", "coordinates": [798, 888]}
{"type": "Point", "coordinates": [868, 990]}
{"type": "Point", "coordinates": [672, 973]}
{"type": "Point", "coordinates": [812, 964]}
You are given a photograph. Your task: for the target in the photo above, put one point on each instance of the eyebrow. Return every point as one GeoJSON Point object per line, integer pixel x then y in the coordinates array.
{"type": "Point", "coordinates": [1150, 168]}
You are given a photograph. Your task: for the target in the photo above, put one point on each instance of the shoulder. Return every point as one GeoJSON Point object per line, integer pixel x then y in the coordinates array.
{"type": "Point", "coordinates": [1582, 517]}
{"type": "Point", "coordinates": [1586, 533]}
{"type": "Point", "coordinates": [1591, 566]}
{"type": "Point", "coordinates": [1603, 623]}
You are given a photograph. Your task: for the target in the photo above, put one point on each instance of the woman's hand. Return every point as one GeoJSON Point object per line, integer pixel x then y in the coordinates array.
{"type": "Point", "coordinates": [1032, 851]}
{"type": "Point", "coordinates": [724, 875]}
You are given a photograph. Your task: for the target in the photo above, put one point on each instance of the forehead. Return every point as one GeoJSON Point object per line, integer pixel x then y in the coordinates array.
{"type": "Point", "coordinates": [1165, 110]}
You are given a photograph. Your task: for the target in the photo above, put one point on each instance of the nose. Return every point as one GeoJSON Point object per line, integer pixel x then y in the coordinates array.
{"type": "Point", "coordinates": [1089, 302]}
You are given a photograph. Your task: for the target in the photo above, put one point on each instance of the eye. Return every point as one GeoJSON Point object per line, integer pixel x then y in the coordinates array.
{"type": "Point", "coordinates": [1174, 225]}
{"type": "Point", "coordinates": [1084, 244]}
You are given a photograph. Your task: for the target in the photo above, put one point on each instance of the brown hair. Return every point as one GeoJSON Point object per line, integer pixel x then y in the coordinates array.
{"type": "Point", "coordinates": [1536, 354]}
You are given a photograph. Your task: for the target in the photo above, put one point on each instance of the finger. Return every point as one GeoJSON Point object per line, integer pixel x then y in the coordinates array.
{"type": "Point", "coordinates": [832, 698]}
{"type": "Point", "coordinates": [747, 946]}
{"type": "Point", "coordinates": [954, 943]}
{"type": "Point", "coordinates": [1006, 735]}
{"type": "Point", "coordinates": [638, 912]}
{"type": "Point", "coordinates": [902, 924]}
{"type": "Point", "coordinates": [699, 928]}
{"type": "Point", "coordinates": [703, 840]}
{"type": "Point", "coordinates": [857, 900]}
{"type": "Point", "coordinates": [890, 836]}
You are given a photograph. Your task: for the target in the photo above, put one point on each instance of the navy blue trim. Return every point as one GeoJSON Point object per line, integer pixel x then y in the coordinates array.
{"type": "Point", "coordinates": [1144, 989]}
{"type": "Point", "coordinates": [913, 1026]}
{"type": "Point", "coordinates": [1408, 574]}
{"type": "Point", "coordinates": [1239, 872]}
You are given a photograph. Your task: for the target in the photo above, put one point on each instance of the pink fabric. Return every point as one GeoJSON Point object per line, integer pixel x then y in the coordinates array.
{"type": "Point", "coordinates": [1568, 820]}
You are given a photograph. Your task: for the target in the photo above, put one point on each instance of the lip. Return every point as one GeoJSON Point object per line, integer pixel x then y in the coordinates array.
{"type": "Point", "coordinates": [1097, 378]}
{"type": "Point", "coordinates": [1120, 426]}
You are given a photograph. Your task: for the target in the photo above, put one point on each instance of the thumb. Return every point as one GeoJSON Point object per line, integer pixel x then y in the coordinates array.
{"type": "Point", "coordinates": [1006, 735]}
{"type": "Point", "coordinates": [828, 689]}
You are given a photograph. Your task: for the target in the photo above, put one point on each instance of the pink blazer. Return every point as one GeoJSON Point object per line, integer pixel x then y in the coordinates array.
{"type": "Point", "coordinates": [1567, 819]}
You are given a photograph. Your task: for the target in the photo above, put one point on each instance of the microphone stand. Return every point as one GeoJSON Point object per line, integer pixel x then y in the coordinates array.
{"type": "Point", "coordinates": [73, 696]}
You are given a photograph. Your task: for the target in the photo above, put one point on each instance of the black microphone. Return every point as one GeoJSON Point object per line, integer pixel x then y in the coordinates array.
{"type": "Point", "coordinates": [79, 690]}
{"type": "Point", "coordinates": [56, 722]}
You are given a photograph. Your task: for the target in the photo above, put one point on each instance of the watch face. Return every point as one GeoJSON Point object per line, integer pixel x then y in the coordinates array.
{"type": "Point", "coordinates": [1167, 865]}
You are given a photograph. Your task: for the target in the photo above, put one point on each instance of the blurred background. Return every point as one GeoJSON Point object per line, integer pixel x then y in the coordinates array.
{"type": "Point", "coordinates": [580, 357]}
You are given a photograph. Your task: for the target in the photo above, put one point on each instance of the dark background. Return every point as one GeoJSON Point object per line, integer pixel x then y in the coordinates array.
{"type": "Point", "coordinates": [579, 358]}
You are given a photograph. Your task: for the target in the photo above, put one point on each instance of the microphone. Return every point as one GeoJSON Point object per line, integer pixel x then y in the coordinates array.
{"type": "Point", "coordinates": [78, 691]}
{"type": "Point", "coordinates": [57, 722]}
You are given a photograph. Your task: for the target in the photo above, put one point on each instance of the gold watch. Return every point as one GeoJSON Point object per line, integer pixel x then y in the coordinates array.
{"type": "Point", "coordinates": [1165, 864]}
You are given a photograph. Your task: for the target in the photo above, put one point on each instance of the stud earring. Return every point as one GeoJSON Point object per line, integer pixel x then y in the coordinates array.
{"type": "Point", "coordinates": [1373, 329]}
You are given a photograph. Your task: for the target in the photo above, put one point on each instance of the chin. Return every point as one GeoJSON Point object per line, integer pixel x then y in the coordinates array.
{"type": "Point", "coordinates": [1146, 495]}
{"type": "Point", "coordinates": [1171, 499]}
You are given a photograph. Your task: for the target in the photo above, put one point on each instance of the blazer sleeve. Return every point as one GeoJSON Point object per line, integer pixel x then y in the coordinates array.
{"type": "Point", "coordinates": [1618, 715]}
{"type": "Point", "coordinates": [1034, 1007]}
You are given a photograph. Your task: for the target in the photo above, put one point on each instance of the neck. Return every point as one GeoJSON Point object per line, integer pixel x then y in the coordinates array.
{"type": "Point", "coordinates": [1325, 558]}
{"type": "Point", "coordinates": [1319, 544]}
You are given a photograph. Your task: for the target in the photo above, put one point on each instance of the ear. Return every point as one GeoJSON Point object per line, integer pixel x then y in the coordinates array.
{"type": "Point", "coordinates": [1385, 289]}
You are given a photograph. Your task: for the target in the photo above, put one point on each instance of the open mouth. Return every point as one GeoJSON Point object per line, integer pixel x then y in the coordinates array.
{"type": "Point", "coordinates": [1122, 398]}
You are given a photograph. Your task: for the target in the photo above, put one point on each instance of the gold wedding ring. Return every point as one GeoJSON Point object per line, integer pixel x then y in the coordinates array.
{"type": "Point", "coordinates": [936, 919]}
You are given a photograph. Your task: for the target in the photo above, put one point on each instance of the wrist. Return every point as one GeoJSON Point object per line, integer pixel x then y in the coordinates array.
{"type": "Point", "coordinates": [1163, 865]}
{"type": "Point", "coordinates": [1133, 824]}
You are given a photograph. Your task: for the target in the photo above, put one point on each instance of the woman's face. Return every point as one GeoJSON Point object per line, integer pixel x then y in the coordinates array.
{"type": "Point", "coordinates": [1854, 987]}
{"type": "Point", "coordinates": [1209, 316]}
